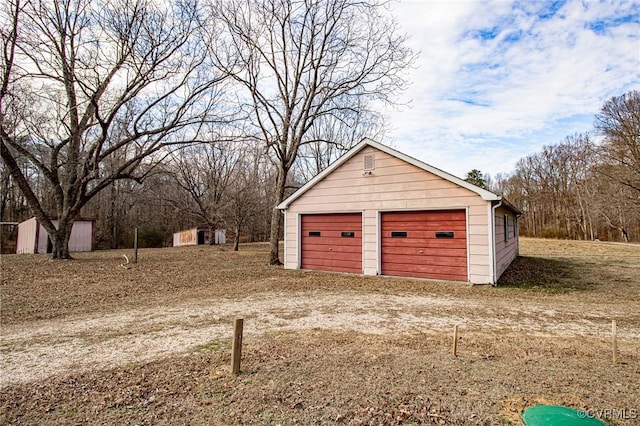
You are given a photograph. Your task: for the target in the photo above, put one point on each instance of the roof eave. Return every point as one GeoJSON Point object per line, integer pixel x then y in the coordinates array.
{"type": "Point", "coordinates": [509, 205]}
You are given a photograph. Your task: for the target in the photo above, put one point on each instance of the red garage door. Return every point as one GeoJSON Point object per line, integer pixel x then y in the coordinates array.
{"type": "Point", "coordinates": [332, 242]}
{"type": "Point", "coordinates": [427, 244]}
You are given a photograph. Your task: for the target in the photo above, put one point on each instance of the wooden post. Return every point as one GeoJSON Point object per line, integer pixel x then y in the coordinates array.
{"type": "Point", "coordinates": [135, 246]}
{"type": "Point", "coordinates": [236, 345]}
{"type": "Point", "coordinates": [454, 349]}
{"type": "Point", "coordinates": [614, 341]}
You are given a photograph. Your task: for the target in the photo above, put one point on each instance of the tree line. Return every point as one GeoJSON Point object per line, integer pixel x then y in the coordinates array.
{"type": "Point", "coordinates": [174, 114]}
{"type": "Point", "coordinates": [586, 187]}
{"type": "Point", "coordinates": [167, 116]}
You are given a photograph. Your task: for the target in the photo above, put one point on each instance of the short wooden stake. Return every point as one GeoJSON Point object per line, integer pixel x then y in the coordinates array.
{"type": "Point", "coordinates": [454, 349]}
{"type": "Point", "coordinates": [236, 345]}
{"type": "Point", "coordinates": [614, 341]}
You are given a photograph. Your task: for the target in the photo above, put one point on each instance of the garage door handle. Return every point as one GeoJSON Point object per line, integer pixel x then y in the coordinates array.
{"type": "Point", "coordinates": [421, 252]}
{"type": "Point", "coordinates": [330, 248]}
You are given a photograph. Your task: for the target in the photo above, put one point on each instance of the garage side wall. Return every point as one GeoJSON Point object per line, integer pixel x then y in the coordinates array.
{"type": "Point", "coordinates": [393, 185]}
{"type": "Point", "coordinates": [506, 246]}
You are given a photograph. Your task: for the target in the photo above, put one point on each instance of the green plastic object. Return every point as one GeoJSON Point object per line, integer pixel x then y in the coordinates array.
{"type": "Point", "coordinates": [557, 415]}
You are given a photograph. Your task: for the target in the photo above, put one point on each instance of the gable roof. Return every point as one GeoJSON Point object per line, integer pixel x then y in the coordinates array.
{"type": "Point", "coordinates": [486, 195]}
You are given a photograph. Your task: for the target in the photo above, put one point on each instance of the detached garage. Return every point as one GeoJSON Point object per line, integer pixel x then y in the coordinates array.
{"type": "Point", "coordinates": [376, 211]}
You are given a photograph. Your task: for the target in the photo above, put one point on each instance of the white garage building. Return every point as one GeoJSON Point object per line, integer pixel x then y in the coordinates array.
{"type": "Point", "coordinates": [376, 211]}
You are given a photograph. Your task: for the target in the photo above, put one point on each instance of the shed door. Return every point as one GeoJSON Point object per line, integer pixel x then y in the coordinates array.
{"type": "Point", "coordinates": [332, 242]}
{"type": "Point", "coordinates": [425, 244]}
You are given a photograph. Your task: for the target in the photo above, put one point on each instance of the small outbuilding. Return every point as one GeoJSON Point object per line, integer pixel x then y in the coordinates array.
{"type": "Point", "coordinates": [33, 238]}
{"type": "Point", "coordinates": [199, 236]}
{"type": "Point", "coordinates": [376, 211]}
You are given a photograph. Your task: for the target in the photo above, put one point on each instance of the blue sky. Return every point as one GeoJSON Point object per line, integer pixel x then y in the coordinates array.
{"type": "Point", "coordinates": [497, 80]}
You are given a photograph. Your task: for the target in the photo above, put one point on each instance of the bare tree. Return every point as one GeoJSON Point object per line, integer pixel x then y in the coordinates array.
{"type": "Point", "coordinates": [203, 174]}
{"type": "Point", "coordinates": [563, 194]}
{"type": "Point", "coordinates": [218, 184]}
{"type": "Point", "coordinates": [619, 122]}
{"type": "Point", "coordinates": [331, 137]}
{"type": "Point", "coordinates": [244, 194]}
{"type": "Point", "coordinates": [88, 84]}
{"type": "Point", "coordinates": [303, 61]}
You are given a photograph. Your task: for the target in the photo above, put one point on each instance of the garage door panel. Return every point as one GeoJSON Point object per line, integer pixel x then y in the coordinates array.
{"type": "Point", "coordinates": [341, 249]}
{"type": "Point", "coordinates": [417, 251]}
{"type": "Point", "coordinates": [329, 249]}
{"type": "Point", "coordinates": [331, 268]}
{"type": "Point", "coordinates": [350, 255]}
{"type": "Point", "coordinates": [325, 259]}
{"type": "Point", "coordinates": [310, 242]}
{"type": "Point", "coordinates": [426, 251]}
{"type": "Point", "coordinates": [430, 215]}
{"type": "Point", "coordinates": [333, 218]}
{"type": "Point", "coordinates": [450, 270]}
{"type": "Point", "coordinates": [328, 264]}
{"type": "Point", "coordinates": [331, 227]}
{"type": "Point", "coordinates": [322, 234]}
{"type": "Point", "coordinates": [431, 274]}
{"type": "Point", "coordinates": [423, 260]}
{"type": "Point", "coordinates": [460, 234]}
{"type": "Point", "coordinates": [449, 225]}
{"type": "Point", "coordinates": [435, 243]}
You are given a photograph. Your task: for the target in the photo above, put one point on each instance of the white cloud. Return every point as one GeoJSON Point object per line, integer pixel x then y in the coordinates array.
{"type": "Point", "coordinates": [496, 80]}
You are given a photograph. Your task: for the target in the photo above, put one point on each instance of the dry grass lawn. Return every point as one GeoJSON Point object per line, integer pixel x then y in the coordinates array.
{"type": "Point", "coordinates": [87, 341]}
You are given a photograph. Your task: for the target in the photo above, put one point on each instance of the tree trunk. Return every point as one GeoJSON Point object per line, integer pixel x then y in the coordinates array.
{"type": "Point", "coordinates": [623, 231]}
{"type": "Point", "coordinates": [212, 235]}
{"type": "Point", "coordinates": [60, 239]}
{"type": "Point", "coordinates": [274, 255]}
{"type": "Point", "coordinates": [112, 219]}
{"type": "Point", "coordinates": [236, 238]}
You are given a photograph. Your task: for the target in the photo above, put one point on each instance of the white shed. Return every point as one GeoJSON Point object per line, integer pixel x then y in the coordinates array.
{"type": "Point", "coordinates": [33, 238]}
{"type": "Point", "coordinates": [376, 211]}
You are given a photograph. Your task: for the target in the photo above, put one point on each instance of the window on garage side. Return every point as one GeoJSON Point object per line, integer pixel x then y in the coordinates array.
{"type": "Point", "coordinates": [506, 227]}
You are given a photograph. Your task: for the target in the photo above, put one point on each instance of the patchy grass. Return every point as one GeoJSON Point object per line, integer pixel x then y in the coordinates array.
{"type": "Point", "coordinates": [602, 271]}
{"type": "Point", "coordinates": [535, 273]}
{"type": "Point", "coordinates": [35, 288]}
{"type": "Point", "coordinates": [321, 377]}
{"type": "Point", "coordinates": [333, 376]}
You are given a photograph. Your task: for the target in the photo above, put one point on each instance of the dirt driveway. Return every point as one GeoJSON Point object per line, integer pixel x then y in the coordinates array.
{"type": "Point", "coordinates": [37, 350]}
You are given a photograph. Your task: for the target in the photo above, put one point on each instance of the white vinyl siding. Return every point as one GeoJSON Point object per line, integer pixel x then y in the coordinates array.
{"type": "Point", "coordinates": [506, 247]}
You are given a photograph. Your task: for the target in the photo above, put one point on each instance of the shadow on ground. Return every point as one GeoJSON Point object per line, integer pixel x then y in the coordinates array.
{"type": "Point", "coordinates": [537, 273]}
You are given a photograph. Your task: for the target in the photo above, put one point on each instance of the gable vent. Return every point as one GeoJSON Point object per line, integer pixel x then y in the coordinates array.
{"type": "Point", "coordinates": [369, 163]}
